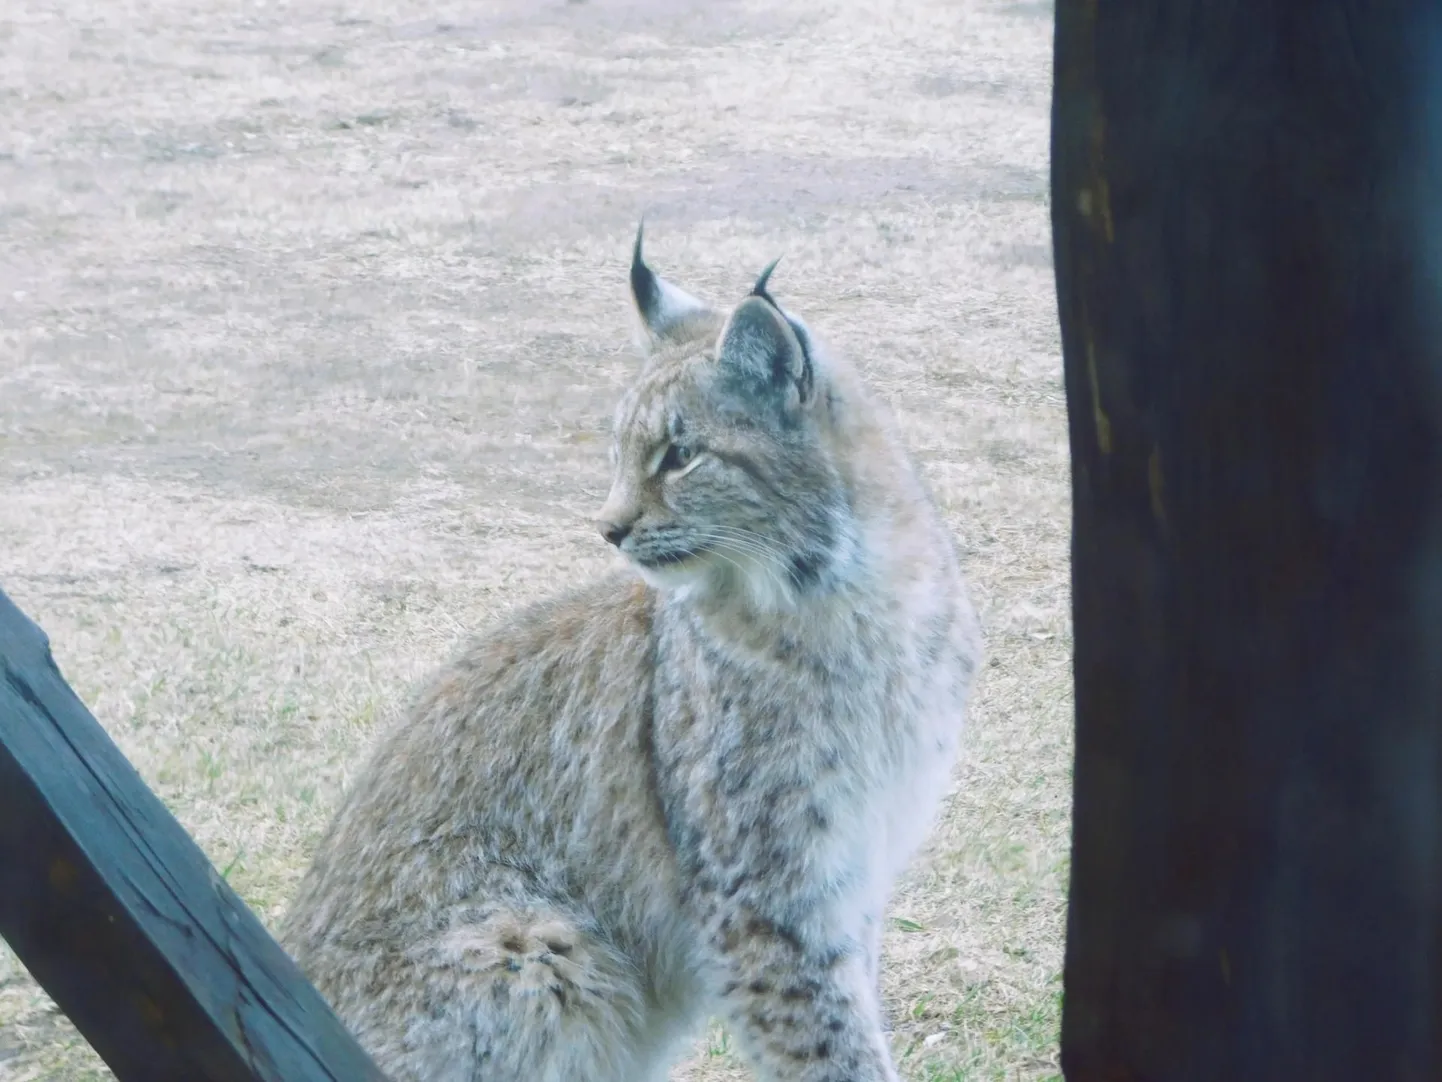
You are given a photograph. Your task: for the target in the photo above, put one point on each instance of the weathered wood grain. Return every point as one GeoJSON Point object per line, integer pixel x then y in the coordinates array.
{"type": "Point", "coordinates": [1245, 205]}
{"type": "Point", "coordinates": [123, 920]}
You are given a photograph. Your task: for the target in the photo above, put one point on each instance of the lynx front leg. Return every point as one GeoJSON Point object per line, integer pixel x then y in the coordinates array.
{"type": "Point", "coordinates": [871, 938]}
{"type": "Point", "coordinates": [802, 1013]}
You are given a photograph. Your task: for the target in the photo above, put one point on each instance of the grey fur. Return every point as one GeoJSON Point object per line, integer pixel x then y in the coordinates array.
{"type": "Point", "coordinates": [643, 801]}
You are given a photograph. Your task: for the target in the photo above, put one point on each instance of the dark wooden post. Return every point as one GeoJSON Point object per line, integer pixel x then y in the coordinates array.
{"type": "Point", "coordinates": [1247, 211]}
{"type": "Point", "coordinates": [118, 914]}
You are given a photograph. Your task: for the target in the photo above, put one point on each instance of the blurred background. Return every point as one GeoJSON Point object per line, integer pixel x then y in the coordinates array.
{"type": "Point", "coordinates": [312, 317]}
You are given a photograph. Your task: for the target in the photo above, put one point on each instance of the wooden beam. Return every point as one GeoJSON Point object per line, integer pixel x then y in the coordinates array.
{"type": "Point", "coordinates": [120, 916]}
{"type": "Point", "coordinates": [1245, 204]}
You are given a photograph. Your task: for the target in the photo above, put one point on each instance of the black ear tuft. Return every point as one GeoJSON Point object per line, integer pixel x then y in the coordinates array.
{"type": "Point", "coordinates": [759, 289]}
{"type": "Point", "coordinates": [644, 287]}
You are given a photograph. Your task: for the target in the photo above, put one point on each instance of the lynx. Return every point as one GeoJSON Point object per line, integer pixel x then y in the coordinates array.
{"type": "Point", "coordinates": [683, 790]}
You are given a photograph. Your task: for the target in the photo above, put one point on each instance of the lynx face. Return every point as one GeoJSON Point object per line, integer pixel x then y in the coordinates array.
{"type": "Point", "coordinates": [725, 478]}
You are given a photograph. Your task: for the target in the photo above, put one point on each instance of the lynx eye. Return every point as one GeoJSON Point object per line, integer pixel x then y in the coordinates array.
{"type": "Point", "coordinates": [676, 457]}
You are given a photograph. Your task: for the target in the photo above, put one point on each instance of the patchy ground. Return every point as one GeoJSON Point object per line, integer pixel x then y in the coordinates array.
{"type": "Point", "coordinates": [311, 317]}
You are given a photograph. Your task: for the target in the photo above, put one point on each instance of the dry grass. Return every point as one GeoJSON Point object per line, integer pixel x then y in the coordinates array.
{"type": "Point", "coordinates": [311, 314]}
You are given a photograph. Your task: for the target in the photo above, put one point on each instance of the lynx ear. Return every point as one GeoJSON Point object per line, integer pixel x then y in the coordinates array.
{"type": "Point", "coordinates": [666, 312]}
{"type": "Point", "coordinates": [763, 351]}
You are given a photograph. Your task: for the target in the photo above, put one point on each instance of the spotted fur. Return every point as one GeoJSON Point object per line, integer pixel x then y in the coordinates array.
{"type": "Point", "coordinates": [654, 798]}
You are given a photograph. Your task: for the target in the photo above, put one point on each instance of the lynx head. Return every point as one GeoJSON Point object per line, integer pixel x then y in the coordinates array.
{"type": "Point", "coordinates": [726, 477]}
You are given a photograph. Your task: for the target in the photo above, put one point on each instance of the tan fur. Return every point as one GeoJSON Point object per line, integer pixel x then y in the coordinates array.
{"type": "Point", "coordinates": [641, 802]}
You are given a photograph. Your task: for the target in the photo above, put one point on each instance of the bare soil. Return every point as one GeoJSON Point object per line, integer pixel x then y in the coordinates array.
{"type": "Point", "coordinates": [312, 314]}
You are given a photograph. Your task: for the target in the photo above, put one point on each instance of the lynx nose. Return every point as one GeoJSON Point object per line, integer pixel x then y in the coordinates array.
{"type": "Point", "coordinates": [614, 532]}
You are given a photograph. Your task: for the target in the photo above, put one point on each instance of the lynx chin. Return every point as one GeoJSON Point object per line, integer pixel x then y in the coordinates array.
{"type": "Point", "coordinates": [683, 790]}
